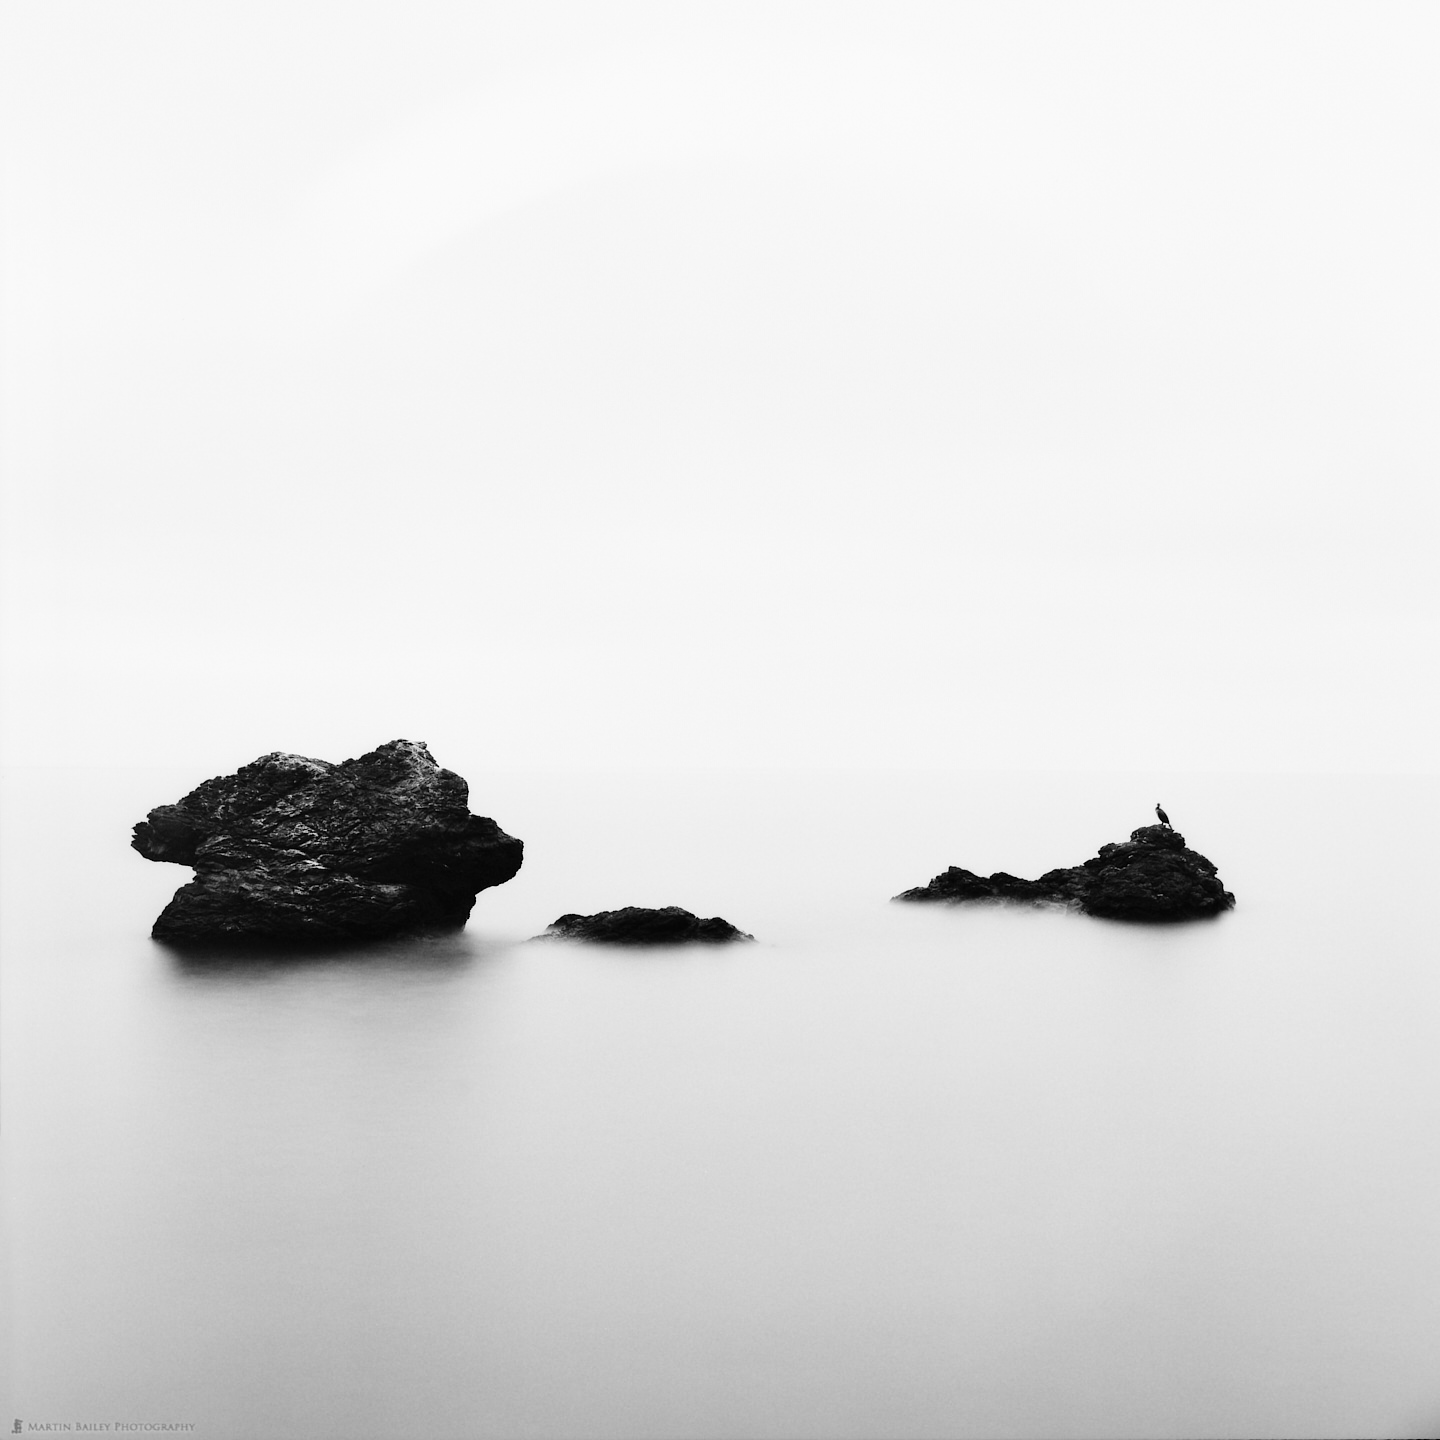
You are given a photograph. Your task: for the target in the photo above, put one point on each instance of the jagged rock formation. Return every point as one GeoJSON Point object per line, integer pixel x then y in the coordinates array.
{"type": "Point", "coordinates": [1151, 876]}
{"type": "Point", "coordinates": [291, 849]}
{"type": "Point", "coordinates": [635, 925]}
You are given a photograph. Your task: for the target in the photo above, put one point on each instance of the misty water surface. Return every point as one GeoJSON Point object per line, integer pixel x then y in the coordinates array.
{"type": "Point", "coordinates": [889, 1171]}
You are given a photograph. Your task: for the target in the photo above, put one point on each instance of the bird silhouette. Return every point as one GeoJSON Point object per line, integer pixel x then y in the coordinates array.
{"type": "Point", "coordinates": [1164, 818]}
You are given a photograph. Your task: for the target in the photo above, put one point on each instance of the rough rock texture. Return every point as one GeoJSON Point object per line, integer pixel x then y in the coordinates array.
{"type": "Point", "coordinates": [637, 926]}
{"type": "Point", "coordinates": [294, 849]}
{"type": "Point", "coordinates": [1151, 876]}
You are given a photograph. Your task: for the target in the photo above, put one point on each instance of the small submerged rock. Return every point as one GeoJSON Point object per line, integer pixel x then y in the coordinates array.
{"type": "Point", "coordinates": [635, 925]}
{"type": "Point", "coordinates": [1151, 876]}
{"type": "Point", "coordinates": [294, 849]}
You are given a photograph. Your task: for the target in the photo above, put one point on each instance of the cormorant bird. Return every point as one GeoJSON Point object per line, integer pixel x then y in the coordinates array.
{"type": "Point", "coordinates": [1164, 818]}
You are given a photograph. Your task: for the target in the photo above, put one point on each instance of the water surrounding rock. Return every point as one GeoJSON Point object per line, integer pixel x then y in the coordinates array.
{"type": "Point", "coordinates": [295, 849]}
{"type": "Point", "coordinates": [1151, 876]}
{"type": "Point", "coordinates": [635, 925]}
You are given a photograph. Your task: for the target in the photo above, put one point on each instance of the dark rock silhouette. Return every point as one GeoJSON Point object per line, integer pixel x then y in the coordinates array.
{"type": "Point", "coordinates": [635, 925]}
{"type": "Point", "coordinates": [295, 849]}
{"type": "Point", "coordinates": [1151, 876]}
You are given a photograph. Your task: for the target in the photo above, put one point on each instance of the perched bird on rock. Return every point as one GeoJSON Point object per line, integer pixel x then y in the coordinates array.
{"type": "Point", "coordinates": [1164, 818]}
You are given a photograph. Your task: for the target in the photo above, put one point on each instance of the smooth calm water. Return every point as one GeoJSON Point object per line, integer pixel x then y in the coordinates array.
{"type": "Point", "coordinates": [892, 1171]}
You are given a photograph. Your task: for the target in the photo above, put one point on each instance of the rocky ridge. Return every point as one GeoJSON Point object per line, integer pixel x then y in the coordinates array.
{"type": "Point", "coordinates": [1152, 876]}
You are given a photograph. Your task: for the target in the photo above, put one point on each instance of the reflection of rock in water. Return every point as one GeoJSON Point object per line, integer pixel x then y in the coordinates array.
{"type": "Point", "coordinates": [295, 849]}
{"type": "Point", "coordinates": [1151, 876]}
{"type": "Point", "coordinates": [635, 925]}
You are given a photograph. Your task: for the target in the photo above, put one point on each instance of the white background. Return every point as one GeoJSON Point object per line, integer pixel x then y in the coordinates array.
{"type": "Point", "coordinates": [572, 386]}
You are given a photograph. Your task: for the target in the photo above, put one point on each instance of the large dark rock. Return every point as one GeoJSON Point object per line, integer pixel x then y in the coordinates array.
{"type": "Point", "coordinates": [1151, 876]}
{"type": "Point", "coordinates": [637, 926]}
{"type": "Point", "coordinates": [294, 849]}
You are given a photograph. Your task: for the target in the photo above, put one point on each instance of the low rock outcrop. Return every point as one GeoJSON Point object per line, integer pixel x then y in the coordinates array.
{"type": "Point", "coordinates": [295, 849]}
{"type": "Point", "coordinates": [635, 925]}
{"type": "Point", "coordinates": [1151, 876]}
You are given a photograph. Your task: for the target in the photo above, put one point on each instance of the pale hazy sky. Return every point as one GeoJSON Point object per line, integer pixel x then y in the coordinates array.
{"type": "Point", "coordinates": [583, 385]}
